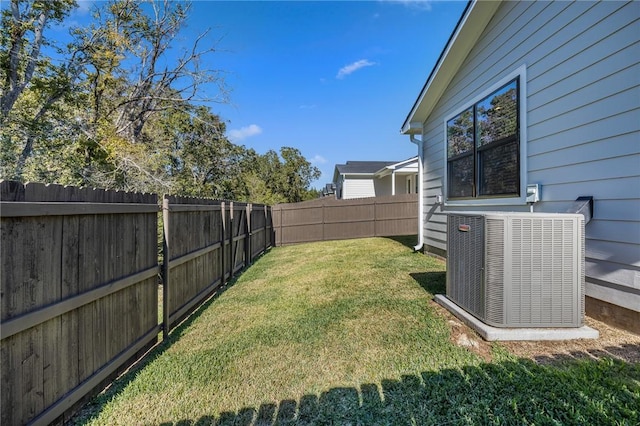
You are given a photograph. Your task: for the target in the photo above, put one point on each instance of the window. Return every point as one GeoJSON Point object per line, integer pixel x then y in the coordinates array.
{"type": "Point", "coordinates": [483, 147]}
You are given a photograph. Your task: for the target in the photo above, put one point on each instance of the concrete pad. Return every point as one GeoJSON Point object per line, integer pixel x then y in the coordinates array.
{"type": "Point", "coordinates": [491, 333]}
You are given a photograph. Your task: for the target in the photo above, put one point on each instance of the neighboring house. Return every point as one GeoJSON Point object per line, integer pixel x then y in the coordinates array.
{"type": "Point", "coordinates": [328, 190]}
{"type": "Point", "coordinates": [362, 179]}
{"type": "Point", "coordinates": [541, 93]}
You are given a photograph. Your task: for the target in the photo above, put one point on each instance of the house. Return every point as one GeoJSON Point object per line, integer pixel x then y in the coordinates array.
{"type": "Point", "coordinates": [328, 190]}
{"type": "Point", "coordinates": [362, 179]}
{"type": "Point", "coordinates": [543, 93]}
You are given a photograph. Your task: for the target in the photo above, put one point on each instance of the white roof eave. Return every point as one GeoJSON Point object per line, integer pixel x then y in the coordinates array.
{"type": "Point", "coordinates": [387, 170]}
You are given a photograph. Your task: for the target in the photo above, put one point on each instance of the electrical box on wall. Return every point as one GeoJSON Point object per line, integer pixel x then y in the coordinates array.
{"type": "Point", "coordinates": [533, 193]}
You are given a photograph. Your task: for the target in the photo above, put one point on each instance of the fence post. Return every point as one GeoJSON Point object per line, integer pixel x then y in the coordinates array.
{"type": "Point", "coordinates": [272, 234]}
{"type": "Point", "coordinates": [281, 228]}
{"type": "Point", "coordinates": [323, 225]}
{"type": "Point", "coordinates": [165, 267]}
{"type": "Point", "coordinates": [265, 227]}
{"type": "Point", "coordinates": [223, 243]}
{"type": "Point", "coordinates": [232, 235]}
{"type": "Point", "coordinates": [375, 217]}
{"type": "Point", "coordinates": [248, 257]}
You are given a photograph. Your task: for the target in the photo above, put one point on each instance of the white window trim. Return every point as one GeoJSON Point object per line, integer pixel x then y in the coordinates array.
{"type": "Point", "coordinates": [522, 73]}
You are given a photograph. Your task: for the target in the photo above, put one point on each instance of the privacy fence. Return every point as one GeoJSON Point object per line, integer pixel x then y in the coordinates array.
{"type": "Point", "coordinates": [330, 219]}
{"type": "Point", "coordinates": [79, 283]}
{"type": "Point", "coordinates": [205, 243]}
{"type": "Point", "coordinates": [81, 271]}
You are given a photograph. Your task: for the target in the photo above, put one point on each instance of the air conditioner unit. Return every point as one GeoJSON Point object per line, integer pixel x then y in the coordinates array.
{"type": "Point", "coordinates": [517, 269]}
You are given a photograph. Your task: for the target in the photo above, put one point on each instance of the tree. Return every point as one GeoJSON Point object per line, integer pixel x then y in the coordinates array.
{"type": "Point", "coordinates": [151, 87]}
{"type": "Point", "coordinates": [153, 81]}
{"type": "Point", "coordinates": [24, 25]}
{"type": "Point", "coordinates": [25, 73]}
{"type": "Point", "coordinates": [113, 102]}
{"type": "Point", "coordinates": [118, 108]}
{"type": "Point", "coordinates": [198, 157]}
{"type": "Point", "coordinates": [298, 174]}
{"type": "Point", "coordinates": [285, 181]}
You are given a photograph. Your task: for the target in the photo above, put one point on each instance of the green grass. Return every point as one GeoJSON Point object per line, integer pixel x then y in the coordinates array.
{"type": "Point", "coordinates": [345, 333]}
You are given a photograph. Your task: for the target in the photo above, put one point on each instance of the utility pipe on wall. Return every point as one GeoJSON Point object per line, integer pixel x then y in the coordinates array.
{"type": "Point", "coordinates": [419, 143]}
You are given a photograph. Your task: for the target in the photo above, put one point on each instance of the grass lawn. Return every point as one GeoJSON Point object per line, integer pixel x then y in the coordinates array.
{"type": "Point", "coordinates": [345, 332]}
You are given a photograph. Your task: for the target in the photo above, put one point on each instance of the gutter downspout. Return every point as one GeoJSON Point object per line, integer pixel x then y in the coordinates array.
{"type": "Point", "coordinates": [419, 143]}
{"type": "Point", "coordinates": [393, 182]}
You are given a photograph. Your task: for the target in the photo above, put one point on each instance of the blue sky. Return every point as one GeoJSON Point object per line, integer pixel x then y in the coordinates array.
{"type": "Point", "coordinates": [335, 79]}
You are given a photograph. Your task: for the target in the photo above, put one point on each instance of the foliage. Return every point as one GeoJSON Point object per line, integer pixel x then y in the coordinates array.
{"type": "Point", "coordinates": [497, 115]}
{"type": "Point", "coordinates": [460, 134]}
{"type": "Point", "coordinates": [274, 178]}
{"type": "Point", "coordinates": [122, 107]}
{"type": "Point", "coordinates": [345, 332]}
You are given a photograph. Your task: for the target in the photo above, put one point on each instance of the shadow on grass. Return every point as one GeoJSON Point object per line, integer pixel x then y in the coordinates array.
{"type": "Point", "coordinates": [406, 240]}
{"type": "Point", "coordinates": [432, 282]}
{"type": "Point", "coordinates": [602, 392]}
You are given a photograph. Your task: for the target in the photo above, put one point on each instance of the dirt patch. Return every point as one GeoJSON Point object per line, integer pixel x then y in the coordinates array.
{"type": "Point", "coordinates": [465, 337]}
{"type": "Point", "coordinates": [613, 343]}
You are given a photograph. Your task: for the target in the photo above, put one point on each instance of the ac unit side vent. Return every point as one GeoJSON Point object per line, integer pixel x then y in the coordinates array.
{"type": "Point", "coordinates": [465, 237]}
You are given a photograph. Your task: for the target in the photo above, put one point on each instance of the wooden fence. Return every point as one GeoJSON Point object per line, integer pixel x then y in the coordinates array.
{"type": "Point", "coordinates": [78, 293]}
{"type": "Point", "coordinates": [79, 284]}
{"type": "Point", "coordinates": [80, 274]}
{"type": "Point", "coordinates": [206, 242]}
{"type": "Point", "coordinates": [330, 219]}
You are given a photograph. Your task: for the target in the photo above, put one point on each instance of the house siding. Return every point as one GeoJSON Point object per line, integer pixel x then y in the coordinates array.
{"type": "Point", "coordinates": [582, 134]}
{"type": "Point", "coordinates": [382, 186]}
{"type": "Point", "coordinates": [401, 184]}
{"type": "Point", "coordinates": [358, 187]}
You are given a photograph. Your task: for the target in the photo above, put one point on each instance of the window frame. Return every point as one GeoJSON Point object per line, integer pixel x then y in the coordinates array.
{"type": "Point", "coordinates": [490, 200]}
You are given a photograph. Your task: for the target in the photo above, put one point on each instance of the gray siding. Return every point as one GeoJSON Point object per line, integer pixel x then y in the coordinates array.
{"type": "Point", "coordinates": [583, 124]}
